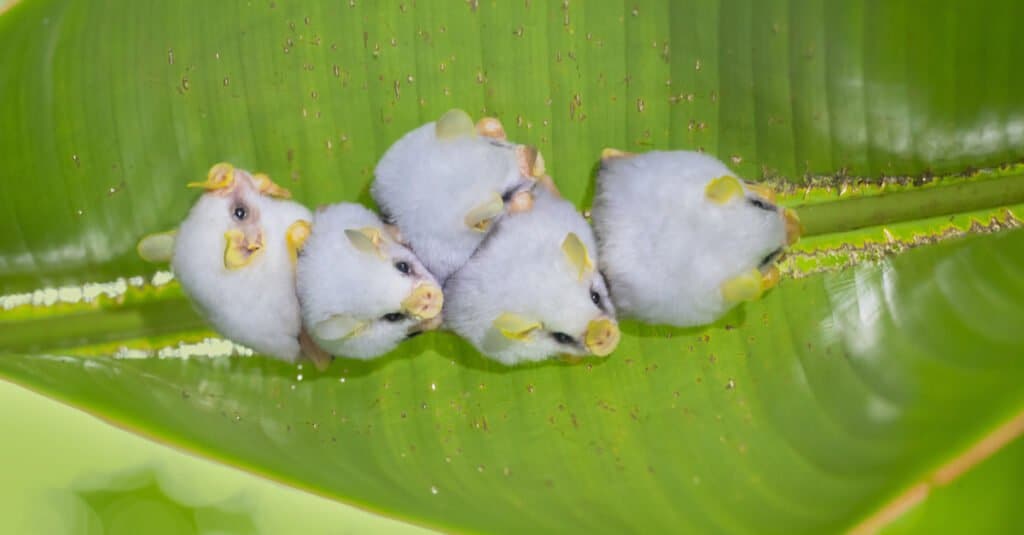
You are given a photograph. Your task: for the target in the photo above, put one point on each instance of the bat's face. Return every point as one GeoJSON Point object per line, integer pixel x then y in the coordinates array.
{"type": "Point", "coordinates": [362, 292]}
{"type": "Point", "coordinates": [683, 239]}
{"type": "Point", "coordinates": [533, 291]}
{"type": "Point", "coordinates": [752, 206]}
{"type": "Point", "coordinates": [235, 254]}
{"type": "Point", "coordinates": [446, 183]}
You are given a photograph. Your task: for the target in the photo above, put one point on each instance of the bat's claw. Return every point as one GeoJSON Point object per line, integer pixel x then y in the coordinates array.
{"type": "Point", "coordinates": [320, 358]}
{"type": "Point", "coordinates": [492, 128]}
{"type": "Point", "coordinates": [609, 153]}
{"type": "Point", "coordinates": [762, 191]}
{"type": "Point", "coordinates": [794, 229]}
{"type": "Point", "coordinates": [220, 177]}
{"type": "Point", "coordinates": [770, 278]}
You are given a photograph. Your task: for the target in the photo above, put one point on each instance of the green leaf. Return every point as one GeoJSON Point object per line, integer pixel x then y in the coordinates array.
{"type": "Point", "coordinates": [806, 411]}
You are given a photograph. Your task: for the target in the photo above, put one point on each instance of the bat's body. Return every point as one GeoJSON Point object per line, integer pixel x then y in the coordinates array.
{"type": "Point", "coordinates": [361, 291]}
{"type": "Point", "coordinates": [532, 291]}
{"type": "Point", "coordinates": [682, 240]}
{"type": "Point", "coordinates": [234, 256]}
{"type": "Point", "coordinates": [446, 183]}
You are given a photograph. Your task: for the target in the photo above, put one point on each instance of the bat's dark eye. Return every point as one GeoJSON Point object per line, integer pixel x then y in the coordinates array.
{"type": "Point", "coordinates": [595, 297]}
{"type": "Point", "coordinates": [403, 267]}
{"type": "Point", "coordinates": [771, 257]}
{"type": "Point", "coordinates": [393, 317]}
{"type": "Point", "coordinates": [762, 205]}
{"type": "Point", "coordinates": [563, 338]}
{"type": "Point", "coordinates": [240, 212]}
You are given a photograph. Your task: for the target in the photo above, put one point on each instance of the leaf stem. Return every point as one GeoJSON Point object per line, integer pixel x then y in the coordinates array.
{"type": "Point", "coordinates": [919, 203]}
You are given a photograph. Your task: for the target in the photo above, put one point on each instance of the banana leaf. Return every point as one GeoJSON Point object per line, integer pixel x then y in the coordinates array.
{"type": "Point", "coordinates": [885, 364]}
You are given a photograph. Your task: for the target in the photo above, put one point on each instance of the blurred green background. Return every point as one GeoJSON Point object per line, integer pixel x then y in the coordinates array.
{"type": "Point", "coordinates": [65, 472]}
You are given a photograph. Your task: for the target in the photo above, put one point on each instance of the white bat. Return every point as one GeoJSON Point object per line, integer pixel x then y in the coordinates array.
{"type": "Point", "coordinates": [682, 239]}
{"type": "Point", "coordinates": [446, 183]}
{"type": "Point", "coordinates": [361, 291]}
{"type": "Point", "coordinates": [532, 289]}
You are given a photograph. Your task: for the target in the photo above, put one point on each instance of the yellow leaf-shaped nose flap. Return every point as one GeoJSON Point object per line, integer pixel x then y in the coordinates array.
{"type": "Point", "coordinates": [577, 255]}
{"type": "Point", "coordinates": [339, 327]}
{"type": "Point", "coordinates": [723, 189]}
{"type": "Point", "coordinates": [794, 228]}
{"type": "Point", "coordinates": [454, 123]}
{"type": "Point", "coordinates": [157, 247]}
{"type": "Point", "coordinates": [239, 249]}
{"type": "Point", "coordinates": [424, 302]}
{"type": "Point", "coordinates": [514, 326]}
{"type": "Point", "coordinates": [296, 236]}
{"type": "Point", "coordinates": [481, 217]}
{"type": "Point", "coordinates": [744, 287]}
{"type": "Point", "coordinates": [367, 240]}
{"type": "Point", "coordinates": [267, 187]}
{"type": "Point", "coordinates": [602, 336]}
{"type": "Point", "coordinates": [220, 177]}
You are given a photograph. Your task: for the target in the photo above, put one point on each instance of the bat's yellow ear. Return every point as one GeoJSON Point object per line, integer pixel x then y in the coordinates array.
{"type": "Point", "coordinates": [267, 187]}
{"type": "Point", "coordinates": [366, 239]}
{"type": "Point", "coordinates": [220, 177]}
{"type": "Point", "coordinates": [481, 217]}
{"type": "Point", "coordinates": [454, 123]}
{"type": "Point", "coordinates": [577, 255]}
{"type": "Point", "coordinates": [609, 153]}
{"type": "Point", "coordinates": [723, 189]}
{"type": "Point", "coordinates": [158, 247]}
{"type": "Point", "coordinates": [296, 236]}
{"type": "Point", "coordinates": [339, 327]}
{"type": "Point", "coordinates": [746, 286]}
{"type": "Point", "coordinates": [514, 326]}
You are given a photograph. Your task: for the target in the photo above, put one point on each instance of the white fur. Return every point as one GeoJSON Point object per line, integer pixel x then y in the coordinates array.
{"type": "Point", "coordinates": [521, 269]}
{"type": "Point", "coordinates": [254, 305]}
{"type": "Point", "coordinates": [665, 248]}
{"type": "Point", "coordinates": [335, 278]}
{"type": "Point", "coordinates": [426, 186]}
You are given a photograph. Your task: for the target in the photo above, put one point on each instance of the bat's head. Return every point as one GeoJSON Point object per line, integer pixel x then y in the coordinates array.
{"type": "Point", "coordinates": [533, 289]}
{"type": "Point", "coordinates": [235, 255]}
{"type": "Point", "coordinates": [446, 183]}
{"type": "Point", "coordinates": [362, 291]}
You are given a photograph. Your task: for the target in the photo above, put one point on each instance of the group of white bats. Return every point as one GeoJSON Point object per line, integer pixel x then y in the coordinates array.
{"type": "Point", "coordinates": [474, 237]}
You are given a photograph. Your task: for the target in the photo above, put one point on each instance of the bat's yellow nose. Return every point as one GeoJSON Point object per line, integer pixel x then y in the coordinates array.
{"type": "Point", "coordinates": [425, 302]}
{"type": "Point", "coordinates": [602, 336]}
{"type": "Point", "coordinates": [241, 248]}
